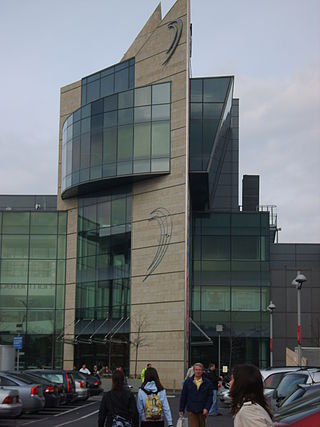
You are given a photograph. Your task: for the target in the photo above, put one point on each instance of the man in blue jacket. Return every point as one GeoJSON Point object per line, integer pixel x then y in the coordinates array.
{"type": "Point", "coordinates": [196, 397]}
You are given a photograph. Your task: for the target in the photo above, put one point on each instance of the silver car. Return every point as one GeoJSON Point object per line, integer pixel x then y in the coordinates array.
{"type": "Point", "coordinates": [81, 386]}
{"type": "Point", "coordinates": [31, 394]}
{"type": "Point", "coordinates": [273, 376]}
{"type": "Point", "coordinates": [10, 404]}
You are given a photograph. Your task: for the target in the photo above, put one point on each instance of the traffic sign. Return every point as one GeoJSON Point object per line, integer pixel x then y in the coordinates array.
{"type": "Point", "coordinates": [17, 342]}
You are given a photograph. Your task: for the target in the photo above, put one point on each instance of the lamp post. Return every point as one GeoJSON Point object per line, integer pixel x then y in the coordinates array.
{"type": "Point", "coordinates": [298, 282]}
{"type": "Point", "coordinates": [219, 329]}
{"type": "Point", "coordinates": [19, 327]}
{"type": "Point", "coordinates": [270, 308]}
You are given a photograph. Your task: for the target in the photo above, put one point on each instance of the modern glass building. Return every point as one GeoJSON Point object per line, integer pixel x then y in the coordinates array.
{"type": "Point", "coordinates": [145, 253]}
{"type": "Point", "coordinates": [32, 282]}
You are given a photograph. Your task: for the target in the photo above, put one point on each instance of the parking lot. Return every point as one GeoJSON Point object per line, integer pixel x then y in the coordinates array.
{"type": "Point", "coordinates": [81, 413]}
{"type": "Point", "coordinates": [85, 414]}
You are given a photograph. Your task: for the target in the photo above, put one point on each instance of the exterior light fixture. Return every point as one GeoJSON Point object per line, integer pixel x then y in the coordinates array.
{"type": "Point", "coordinates": [298, 282]}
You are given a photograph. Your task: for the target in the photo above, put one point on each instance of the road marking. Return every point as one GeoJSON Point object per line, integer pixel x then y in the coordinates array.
{"type": "Point", "coordinates": [76, 420]}
{"type": "Point", "coordinates": [35, 421]}
{"type": "Point", "coordinates": [171, 396]}
{"type": "Point", "coordinates": [74, 409]}
{"type": "Point", "coordinates": [89, 415]}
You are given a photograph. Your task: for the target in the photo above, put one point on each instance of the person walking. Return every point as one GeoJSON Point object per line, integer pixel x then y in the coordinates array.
{"type": "Point", "coordinates": [212, 376]}
{"type": "Point", "coordinates": [95, 372]}
{"type": "Point", "coordinates": [118, 405]}
{"type": "Point", "coordinates": [144, 371]}
{"type": "Point", "coordinates": [196, 397]}
{"type": "Point", "coordinates": [84, 369]}
{"type": "Point", "coordinates": [248, 403]}
{"type": "Point", "coordinates": [152, 401]}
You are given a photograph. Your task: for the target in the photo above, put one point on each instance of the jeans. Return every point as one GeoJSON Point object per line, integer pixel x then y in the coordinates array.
{"type": "Point", "coordinates": [215, 401]}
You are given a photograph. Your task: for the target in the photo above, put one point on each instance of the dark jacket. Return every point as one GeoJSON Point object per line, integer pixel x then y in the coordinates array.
{"type": "Point", "coordinates": [118, 403]}
{"type": "Point", "coordinates": [213, 377]}
{"type": "Point", "coordinates": [196, 400]}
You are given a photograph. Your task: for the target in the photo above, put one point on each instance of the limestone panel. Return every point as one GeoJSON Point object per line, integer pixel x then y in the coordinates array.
{"type": "Point", "coordinates": [178, 114]}
{"type": "Point", "coordinates": [151, 70]}
{"type": "Point", "coordinates": [160, 316]}
{"type": "Point", "coordinates": [72, 221]}
{"type": "Point", "coordinates": [70, 296]}
{"type": "Point", "coordinates": [160, 41]}
{"type": "Point", "coordinates": [70, 98]}
{"type": "Point", "coordinates": [68, 356]}
{"type": "Point", "coordinates": [178, 143]}
{"type": "Point", "coordinates": [72, 245]}
{"type": "Point", "coordinates": [161, 298]}
{"type": "Point", "coordinates": [171, 373]}
{"type": "Point", "coordinates": [158, 287]}
{"type": "Point", "coordinates": [179, 9]}
{"type": "Point", "coordinates": [71, 265]}
{"type": "Point", "coordinates": [171, 198]}
{"type": "Point", "coordinates": [175, 178]}
{"type": "Point", "coordinates": [173, 260]}
{"type": "Point", "coordinates": [147, 233]}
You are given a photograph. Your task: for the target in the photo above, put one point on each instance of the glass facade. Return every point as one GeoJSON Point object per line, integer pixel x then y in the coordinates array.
{"type": "Point", "coordinates": [103, 274]}
{"type": "Point", "coordinates": [210, 106]}
{"type": "Point", "coordinates": [121, 135]}
{"type": "Point", "coordinates": [116, 78]}
{"type": "Point", "coordinates": [231, 285]}
{"type": "Point", "coordinates": [32, 283]}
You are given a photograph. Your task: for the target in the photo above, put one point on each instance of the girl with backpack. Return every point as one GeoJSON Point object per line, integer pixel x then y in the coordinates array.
{"type": "Point", "coordinates": [118, 405]}
{"type": "Point", "coordinates": [152, 401]}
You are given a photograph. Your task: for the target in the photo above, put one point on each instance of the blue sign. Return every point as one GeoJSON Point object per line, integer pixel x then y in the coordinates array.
{"type": "Point", "coordinates": [17, 343]}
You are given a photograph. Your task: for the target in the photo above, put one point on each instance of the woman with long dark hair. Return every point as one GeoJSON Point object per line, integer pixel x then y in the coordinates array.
{"type": "Point", "coordinates": [118, 405]}
{"type": "Point", "coordinates": [152, 401]}
{"type": "Point", "coordinates": [248, 403]}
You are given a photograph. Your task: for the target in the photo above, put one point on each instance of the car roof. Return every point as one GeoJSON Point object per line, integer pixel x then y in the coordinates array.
{"type": "Point", "coordinates": [269, 371]}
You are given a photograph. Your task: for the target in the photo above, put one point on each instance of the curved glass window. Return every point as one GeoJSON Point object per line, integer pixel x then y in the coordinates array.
{"type": "Point", "coordinates": [124, 134]}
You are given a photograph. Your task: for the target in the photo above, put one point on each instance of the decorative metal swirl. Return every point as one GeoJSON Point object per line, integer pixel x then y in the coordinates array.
{"type": "Point", "coordinates": [164, 219]}
{"type": "Point", "coordinates": [177, 26]}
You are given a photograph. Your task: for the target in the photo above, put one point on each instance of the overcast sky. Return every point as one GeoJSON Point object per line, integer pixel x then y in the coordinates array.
{"type": "Point", "coordinates": [272, 47]}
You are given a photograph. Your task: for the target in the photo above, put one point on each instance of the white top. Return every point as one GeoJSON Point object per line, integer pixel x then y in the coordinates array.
{"type": "Point", "coordinates": [252, 415]}
{"type": "Point", "coordinates": [85, 371]}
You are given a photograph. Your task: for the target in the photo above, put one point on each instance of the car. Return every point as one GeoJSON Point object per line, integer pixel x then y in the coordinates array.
{"type": "Point", "coordinates": [30, 392]}
{"type": "Point", "coordinates": [308, 416]}
{"type": "Point", "coordinates": [305, 402]}
{"type": "Point", "coordinates": [272, 377]}
{"type": "Point", "coordinates": [302, 390]}
{"type": "Point", "coordinates": [93, 383]}
{"type": "Point", "coordinates": [61, 377]}
{"type": "Point", "coordinates": [289, 382]}
{"type": "Point", "coordinates": [10, 403]}
{"type": "Point", "coordinates": [81, 385]}
{"type": "Point", "coordinates": [50, 390]}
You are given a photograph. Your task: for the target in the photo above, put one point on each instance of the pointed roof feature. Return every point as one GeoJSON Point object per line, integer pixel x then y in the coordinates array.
{"type": "Point", "coordinates": [144, 34]}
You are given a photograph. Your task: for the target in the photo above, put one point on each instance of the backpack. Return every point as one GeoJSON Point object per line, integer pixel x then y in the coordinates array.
{"type": "Point", "coordinates": [118, 421]}
{"type": "Point", "coordinates": [153, 405]}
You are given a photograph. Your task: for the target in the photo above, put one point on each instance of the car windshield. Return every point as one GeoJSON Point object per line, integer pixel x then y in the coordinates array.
{"type": "Point", "coordinates": [273, 380]}
{"type": "Point", "coordinates": [289, 382]}
{"type": "Point", "coordinates": [21, 378]}
{"type": "Point", "coordinates": [56, 378]}
{"type": "Point", "coordinates": [293, 396]}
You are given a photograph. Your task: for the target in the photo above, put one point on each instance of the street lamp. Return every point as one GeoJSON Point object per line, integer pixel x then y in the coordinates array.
{"type": "Point", "coordinates": [297, 282]}
{"type": "Point", "coordinates": [219, 329]}
{"type": "Point", "coordinates": [270, 308]}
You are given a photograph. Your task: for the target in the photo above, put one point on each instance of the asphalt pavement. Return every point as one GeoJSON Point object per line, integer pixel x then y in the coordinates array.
{"type": "Point", "coordinates": [85, 414]}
